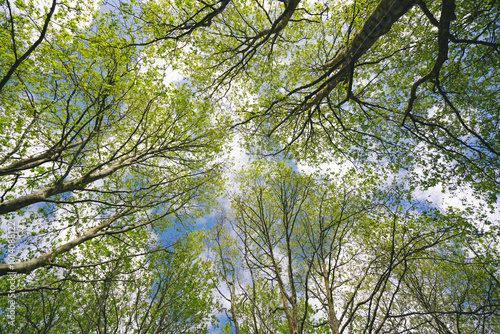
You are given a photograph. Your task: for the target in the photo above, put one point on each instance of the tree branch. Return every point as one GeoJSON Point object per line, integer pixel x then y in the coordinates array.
{"type": "Point", "coordinates": [32, 48]}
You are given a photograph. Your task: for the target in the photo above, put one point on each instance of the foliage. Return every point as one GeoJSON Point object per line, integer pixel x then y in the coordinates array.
{"type": "Point", "coordinates": [156, 294]}
{"type": "Point", "coordinates": [303, 254]}
{"type": "Point", "coordinates": [99, 154]}
{"type": "Point", "coordinates": [411, 84]}
{"type": "Point", "coordinates": [103, 153]}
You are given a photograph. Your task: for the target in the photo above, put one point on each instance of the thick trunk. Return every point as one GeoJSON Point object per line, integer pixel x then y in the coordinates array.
{"type": "Point", "coordinates": [378, 23]}
{"type": "Point", "coordinates": [233, 309]}
{"type": "Point", "coordinates": [41, 195]}
{"type": "Point", "coordinates": [290, 312]}
{"type": "Point", "coordinates": [51, 154]}
{"type": "Point", "coordinates": [332, 319]}
{"type": "Point", "coordinates": [78, 184]}
{"type": "Point", "coordinates": [28, 266]}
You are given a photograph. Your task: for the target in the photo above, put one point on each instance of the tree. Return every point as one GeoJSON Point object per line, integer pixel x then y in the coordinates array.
{"type": "Point", "coordinates": [409, 83]}
{"type": "Point", "coordinates": [299, 254]}
{"type": "Point", "coordinates": [98, 152]}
